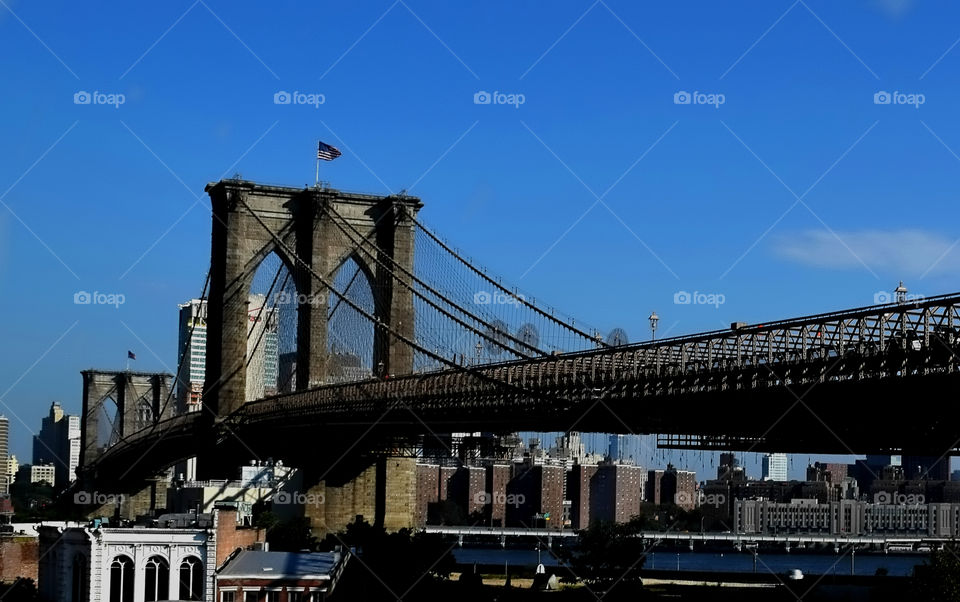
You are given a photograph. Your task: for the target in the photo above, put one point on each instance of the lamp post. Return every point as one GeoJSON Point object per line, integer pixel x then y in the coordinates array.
{"type": "Point", "coordinates": [479, 348]}
{"type": "Point", "coordinates": [900, 293]}
{"type": "Point", "coordinates": [654, 318]}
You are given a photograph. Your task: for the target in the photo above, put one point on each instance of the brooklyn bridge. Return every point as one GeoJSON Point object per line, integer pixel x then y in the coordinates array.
{"type": "Point", "coordinates": [394, 339]}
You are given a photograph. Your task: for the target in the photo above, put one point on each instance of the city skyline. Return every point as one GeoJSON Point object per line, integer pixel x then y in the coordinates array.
{"type": "Point", "coordinates": [854, 163]}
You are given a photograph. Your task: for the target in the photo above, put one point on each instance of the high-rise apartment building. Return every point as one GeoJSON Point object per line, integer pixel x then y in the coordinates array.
{"type": "Point", "coordinates": [262, 351]}
{"type": "Point", "coordinates": [58, 444]}
{"type": "Point", "coordinates": [775, 467]}
{"type": "Point", "coordinates": [5, 478]}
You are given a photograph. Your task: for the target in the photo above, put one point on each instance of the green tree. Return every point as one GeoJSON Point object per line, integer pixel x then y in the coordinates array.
{"type": "Point", "coordinates": [609, 554]}
{"type": "Point", "coordinates": [396, 563]}
{"type": "Point", "coordinates": [939, 579]}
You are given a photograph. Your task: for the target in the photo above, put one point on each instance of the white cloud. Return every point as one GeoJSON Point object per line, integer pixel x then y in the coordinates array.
{"type": "Point", "coordinates": [904, 253]}
{"type": "Point", "coordinates": [894, 9]}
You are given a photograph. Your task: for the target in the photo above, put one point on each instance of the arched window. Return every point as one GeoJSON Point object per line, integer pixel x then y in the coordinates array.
{"type": "Point", "coordinates": [121, 579]}
{"type": "Point", "coordinates": [156, 579]}
{"type": "Point", "coordinates": [78, 581]}
{"type": "Point", "coordinates": [191, 579]}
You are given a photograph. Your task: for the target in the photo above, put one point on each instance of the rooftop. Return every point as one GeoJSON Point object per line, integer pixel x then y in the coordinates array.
{"type": "Point", "coordinates": [259, 564]}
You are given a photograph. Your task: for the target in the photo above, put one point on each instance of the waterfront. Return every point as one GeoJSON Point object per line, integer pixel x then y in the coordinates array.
{"type": "Point", "coordinates": [897, 565]}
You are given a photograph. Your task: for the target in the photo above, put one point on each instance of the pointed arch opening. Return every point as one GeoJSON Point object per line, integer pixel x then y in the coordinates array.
{"type": "Point", "coordinates": [272, 316]}
{"type": "Point", "coordinates": [351, 336]}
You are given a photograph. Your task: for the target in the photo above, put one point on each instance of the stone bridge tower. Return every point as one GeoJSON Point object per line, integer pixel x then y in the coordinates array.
{"type": "Point", "coordinates": [252, 220]}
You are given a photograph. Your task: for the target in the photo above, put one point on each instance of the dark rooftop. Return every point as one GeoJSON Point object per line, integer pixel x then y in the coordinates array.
{"type": "Point", "coordinates": [275, 565]}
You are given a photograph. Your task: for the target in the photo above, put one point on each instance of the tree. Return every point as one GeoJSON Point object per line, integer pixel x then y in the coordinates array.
{"type": "Point", "coordinates": [939, 579]}
{"type": "Point", "coordinates": [609, 554]}
{"type": "Point", "coordinates": [399, 561]}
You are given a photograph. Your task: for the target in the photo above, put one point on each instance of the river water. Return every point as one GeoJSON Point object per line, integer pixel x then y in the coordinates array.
{"type": "Point", "coordinates": [735, 562]}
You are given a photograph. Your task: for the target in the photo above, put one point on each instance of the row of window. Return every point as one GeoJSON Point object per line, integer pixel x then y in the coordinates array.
{"type": "Point", "coordinates": [156, 579]}
{"type": "Point", "coordinates": [269, 596]}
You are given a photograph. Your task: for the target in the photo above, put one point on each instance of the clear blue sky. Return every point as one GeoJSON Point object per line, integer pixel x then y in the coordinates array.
{"type": "Point", "coordinates": [694, 197]}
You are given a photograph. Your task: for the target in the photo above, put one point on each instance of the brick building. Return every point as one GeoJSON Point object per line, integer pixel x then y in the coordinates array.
{"type": "Point", "coordinates": [616, 491]}
{"type": "Point", "coordinates": [679, 487]}
{"type": "Point", "coordinates": [427, 492]}
{"type": "Point", "coordinates": [538, 491]}
{"type": "Point", "coordinates": [497, 476]}
{"type": "Point", "coordinates": [19, 554]}
{"type": "Point", "coordinates": [578, 492]}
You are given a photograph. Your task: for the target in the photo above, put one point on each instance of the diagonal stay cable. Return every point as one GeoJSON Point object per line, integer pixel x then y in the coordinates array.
{"type": "Point", "coordinates": [486, 335]}
{"type": "Point", "coordinates": [591, 338]}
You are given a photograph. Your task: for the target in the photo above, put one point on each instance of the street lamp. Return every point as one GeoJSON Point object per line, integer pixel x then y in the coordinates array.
{"type": "Point", "coordinates": [900, 293]}
{"type": "Point", "coordinates": [380, 369]}
{"type": "Point", "coordinates": [479, 348]}
{"type": "Point", "coordinates": [654, 318]}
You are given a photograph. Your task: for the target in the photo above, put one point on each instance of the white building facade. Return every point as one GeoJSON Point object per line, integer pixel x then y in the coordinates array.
{"type": "Point", "coordinates": [775, 467]}
{"type": "Point", "coordinates": [145, 564]}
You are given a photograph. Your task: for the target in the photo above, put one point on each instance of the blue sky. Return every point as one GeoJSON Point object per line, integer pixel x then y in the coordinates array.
{"type": "Point", "coordinates": [599, 193]}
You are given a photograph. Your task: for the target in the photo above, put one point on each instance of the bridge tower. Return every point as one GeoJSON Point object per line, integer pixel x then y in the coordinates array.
{"type": "Point", "coordinates": [252, 220]}
{"type": "Point", "coordinates": [119, 403]}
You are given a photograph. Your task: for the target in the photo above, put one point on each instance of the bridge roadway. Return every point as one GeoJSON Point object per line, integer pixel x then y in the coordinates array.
{"type": "Point", "coordinates": [735, 539]}
{"type": "Point", "coordinates": [867, 380]}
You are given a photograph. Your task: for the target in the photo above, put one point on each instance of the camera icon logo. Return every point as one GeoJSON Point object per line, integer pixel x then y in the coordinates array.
{"type": "Point", "coordinates": [882, 298]}
{"type": "Point", "coordinates": [682, 498]}
{"type": "Point", "coordinates": [482, 298]}
{"type": "Point", "coordinates": [82, 498]}
{"type": "Point", "coordinates": [882, 497]}
{"type": "Point", "coordinates": [82, 298]}
{"type": "Point", "coordinates": [881, 98]}
{"type": "Point", "coordinates": [681, 98]}
{"type": "Point", "coordinates": [482, 98]}
{"type": "Point", "coordinates": [282, 497]}
{"type": "Point", "coordinates": [81, 98]}
{"type": "Point", "coordinates": [682, 298]}
{"type": "Point", "coordinates": [282, 98]}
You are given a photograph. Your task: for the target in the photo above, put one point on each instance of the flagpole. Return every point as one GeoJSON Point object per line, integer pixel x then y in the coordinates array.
{"type": "Point", "coordinates": [318, 171]}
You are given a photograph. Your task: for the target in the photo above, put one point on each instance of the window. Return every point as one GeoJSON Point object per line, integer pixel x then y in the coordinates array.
{"type": "Point", "coordinates": [228, 596]}
{"type": "Point", "coordinates": [295, 596]}
{"type": "Point", "coordinates": [121, 579]}
{"type": "Point", "coordinates": [273, 597]}
{"type": "Point", "coordinates": [191, 579]}
{"type": "Point", "coordinates": [250, 596]}
{"type": "Point", "coordinates": [156, 584]}
{"type": "Point", "coordinates": [78, 584]}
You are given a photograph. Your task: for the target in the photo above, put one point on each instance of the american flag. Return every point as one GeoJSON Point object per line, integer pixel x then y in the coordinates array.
{"type": "Point", "coordinates": [327, 152]}
{"type": "Point", "coordinates": [131, 355]}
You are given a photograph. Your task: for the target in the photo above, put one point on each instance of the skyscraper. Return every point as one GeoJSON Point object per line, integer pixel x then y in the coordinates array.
{"type": "Point", "coordinates": [617, 447]}
{"type": "Point", "coordinates": [775, 467]}
{"type": "Point", "coordinates": [192, 354]}
{"type": "Point", "coordinates": [262, 358]}
{"type": "Point", "coordinates": [58, 443]}
{"type": "Point", "coordinates": [4, 451]}
{"type": "Point", "coordinates": [262, 351]}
